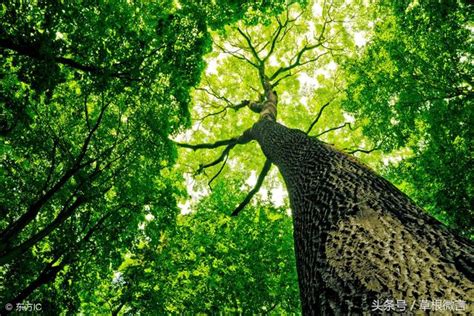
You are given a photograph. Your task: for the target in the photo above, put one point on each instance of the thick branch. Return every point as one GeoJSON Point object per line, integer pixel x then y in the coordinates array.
{"type": "Point", "coordinates": [258, 185]}
{"type": "Point", "coordinates": [242, 139]}
{"type": "Point", "coordinates": [16, 227]}
{"type": "Point", "coordinates": [33, 50]}
{"type": "Point", "coordinates": [217, 144]}
{"type": "Point", "coordinates": [48, 274]}
{"type": "Point", "coordinates": [62, 216]}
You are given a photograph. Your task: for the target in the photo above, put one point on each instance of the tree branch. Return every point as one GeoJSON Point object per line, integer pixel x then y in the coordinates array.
{"type": "Point", "coordinates": [218, 172]}
{"type": "Point", "coordinates": [297, 61]}
{"type": "Point", "coordinates": [289, 74]}
{"type": "Point", "coordinates": [318, 116]}
{"type": "Point", "coordinates": [217, 144]}
{"type": "Point", "coordinates": [16, 227]}
{"type": "Point", "coordinates": [362, 150]}
{"type": "Point", "coordinates": [260, 64]}
{"type": "Point", "coordinates": [333, 129]}
{"type": "Point", "coordinates": [230, 105]}
{"type": "Point", "coordinates": [258, 185]}
{"type": "Point", "coordinates": [242, 139]}
{"type": "Point", "coordinates": [275, 36]}
{"type": "Point", "coordinates": [34, 50]}
{"type": "Point", "coordinates": [237, 55]}
{"type": "Point", "coordinates": [222, 156]}
{"type": "Point", "coordinates": [250, 45]}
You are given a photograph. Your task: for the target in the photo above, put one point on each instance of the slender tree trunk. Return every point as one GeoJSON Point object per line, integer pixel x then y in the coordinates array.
{"type": "Point", "coordinates": [358, 239]}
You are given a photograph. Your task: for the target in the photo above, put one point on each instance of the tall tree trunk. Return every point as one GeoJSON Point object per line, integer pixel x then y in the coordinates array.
{"type": "Point", "coordinates": [358, 239]}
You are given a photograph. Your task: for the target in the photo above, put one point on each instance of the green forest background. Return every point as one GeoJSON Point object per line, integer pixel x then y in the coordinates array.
{"type": "Point", "coordinates": [101, 211]}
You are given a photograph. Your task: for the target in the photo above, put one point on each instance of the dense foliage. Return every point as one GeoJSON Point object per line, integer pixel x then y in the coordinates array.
{"type": "Point", "coordinates": [209, 262]}
{"type": "Point", "coordinates": [90, 182]}
{"type": "Point", "coordinates": [414, 84]}
{"type": "Point", "coordinates": [90, 94]}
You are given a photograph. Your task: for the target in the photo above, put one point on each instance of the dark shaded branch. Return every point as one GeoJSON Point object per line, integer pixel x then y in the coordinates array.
{"type": "Point", "coordinates": [333, 129]}
{"type": "Point", "coordinates": [242, 139]}
{"type": "Point", "coordinates": [362, 150]}
{"type": "Point", "coordinates": [52, 166]}
{"type": "Point", "coordinates": [34, 50]}
{"type": "Point", "coordinates": [48, 274]}
{"type": "Point", "coordinates": [86, 112]}
{"type": "Point", "coordinates": [219, 159]}
{"type": "Point", "coordinates": [218, 172]}
{"type": "Point", "coordinates": [16, 227]}
{"type": "Point", "coordinates": [237, 55]}
{"type": "Point", "coordinates": [297, 61]}
{"type": "Point", "coordinates": [250, 45]}
{"type": "Point", "coordinates": [317, 117]}
{"type": "Point", "coordinates": [217, 144]}
{"type": "Point", "coordinates": [258, 185]}
{"type": "Point", "coordinates": [62, 216]}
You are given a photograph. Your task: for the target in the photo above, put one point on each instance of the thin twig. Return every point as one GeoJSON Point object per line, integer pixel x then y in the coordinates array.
{"type": "Point", "coordinates": [362, 150]}
{"type": "Point", "coordinates": [318, 116]}
{"type": "Point", "coordinates": [333, 129]}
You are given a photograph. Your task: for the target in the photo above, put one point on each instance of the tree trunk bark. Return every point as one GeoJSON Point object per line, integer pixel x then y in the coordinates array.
{"type": "Point", "coordinates": [358, 239]}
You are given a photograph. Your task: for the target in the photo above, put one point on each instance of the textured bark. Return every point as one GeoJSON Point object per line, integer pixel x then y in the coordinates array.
{"type": "Point", "coordinates": [357, 237]}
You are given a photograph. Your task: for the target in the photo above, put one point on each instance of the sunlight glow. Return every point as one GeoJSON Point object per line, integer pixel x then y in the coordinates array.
{"type": "Point", "coordinates": [317, 10]}
{"type": "Point", "coordinates": [359, 38]}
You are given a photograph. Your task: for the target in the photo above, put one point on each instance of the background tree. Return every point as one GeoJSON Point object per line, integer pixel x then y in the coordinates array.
{"type": "Point", "coordinates": [414, 83]}
{"type": "Point", "coordinates": [208, 263]}
{"type": "Point", "coordinates": [90, 94]}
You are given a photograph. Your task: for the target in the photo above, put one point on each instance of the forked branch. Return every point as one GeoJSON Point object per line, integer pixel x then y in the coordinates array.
{"type": "Point", "coordinates": [229, 143]}
{"type": "Point", "coordinates": [219, 159]}
{"type": "Point", "coordinates": [242, 139]}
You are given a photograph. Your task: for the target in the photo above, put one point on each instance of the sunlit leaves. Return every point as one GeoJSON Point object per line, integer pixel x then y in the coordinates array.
{"type": "Point", "coordinates": [231, 265]}
{"type": "Point", "coordinates": [300, 50]}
